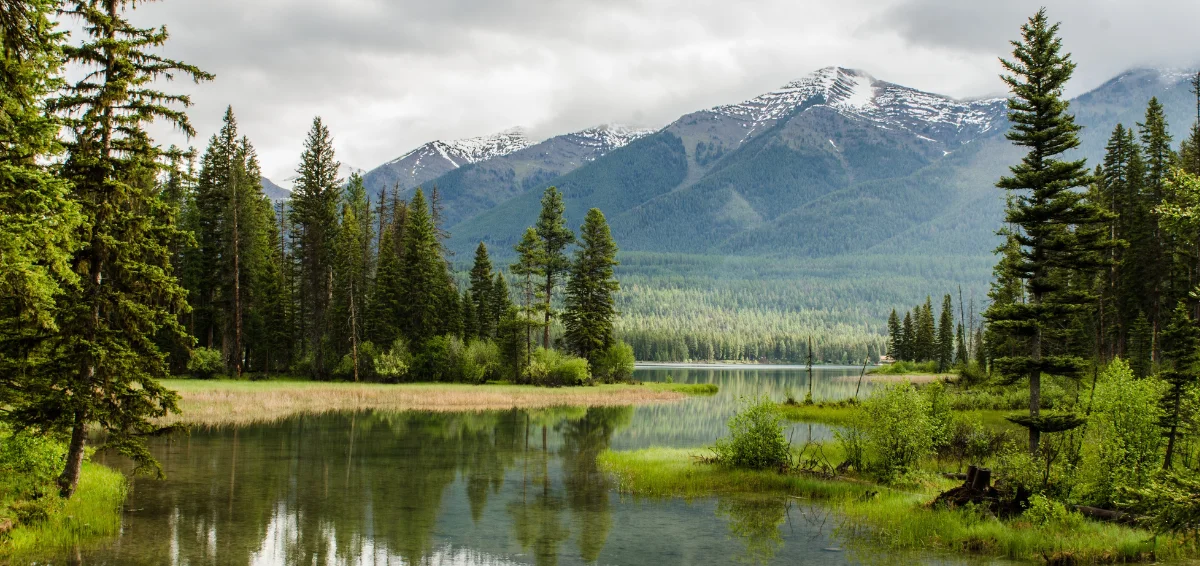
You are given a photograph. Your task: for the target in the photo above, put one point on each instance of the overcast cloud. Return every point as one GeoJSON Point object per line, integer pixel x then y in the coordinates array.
{"type": "Point", "coordinates": [389, 75]}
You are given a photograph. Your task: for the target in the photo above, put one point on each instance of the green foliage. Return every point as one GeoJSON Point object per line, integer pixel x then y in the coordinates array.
{"type": "Point", "coordinates": [557, 369]}
{"type": "Point", "coordinates": [755, 438]}
{"type": "Point", "coordinates": [1048, 513]}
{"type": "Point", "coordinates": [970, 442]}
{"type": "Point", "coordinates": [1124, 443]}
{"type": "Point", "coordinates": [900, 429]}
{"type": "Point", "coordinates": [206, 363]}
{"type": "Point", "coordinates": [905, 367]}
{"type": "Point", "coordinates": [28, 465]}
{"type": "Point", "coordinates": [615, 364]}
{"type": "Point", "coordinates": [393, 365]}
{"type": "Point", "coordinates": [590, 309]}
{"type": "Point", "coordinates": [1169, 504]}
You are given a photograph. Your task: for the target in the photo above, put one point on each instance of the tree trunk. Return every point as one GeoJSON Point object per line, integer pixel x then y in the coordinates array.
{"type": "Point", "coordinates": [69, 479]}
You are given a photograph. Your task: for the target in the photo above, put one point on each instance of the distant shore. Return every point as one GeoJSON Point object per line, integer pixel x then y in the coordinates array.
{"type": "Point", "coordinates": [739, 365]}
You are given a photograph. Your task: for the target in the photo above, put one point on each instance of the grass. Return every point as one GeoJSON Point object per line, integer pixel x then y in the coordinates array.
{"type": "Point", "coordinates": [841, 413]}
{"type": "Point", "coordinates": [222, 402]}
{"type": "Point", "coordinates": [895, 519]}
{"type": "Point", "coordinates": [685, 388]}
{"type": "Point", "coordinates": [92, 515]}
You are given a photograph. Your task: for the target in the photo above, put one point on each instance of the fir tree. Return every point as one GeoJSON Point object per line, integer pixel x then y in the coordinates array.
{"type": "Point", "coordinates": [500, 300]}
{"type": "Point", "coordinates": [961, 356]}
{"type": "Point", "coordinates": [925, 343]}
{"type": "Point", "coordinates": [555, 237]}
{"type": "Point", "coordinates": [1156, 147]}
{"type": "Point", "coordinates": [1045, 206]}
{"type": "Point", "coordinates": [590, 309]}
{"type": "Point", "coordinates": [314, 212]}
{"type": "Point", "coordinates": [427, 298]}
{"type": "Point", "coordinates": [1181, 350]}
{"type": "Point", "coordinates": [352, 267]}
{"type": "Point", "coordinates": [945, 336]}
{"type": "Point", "coordinates": [909, 334]}
{"type": "Point", "coordinates": [108, 363]}
{"type": "Point", "coordinates": [481, 294]}
{"type": "Point", "coordinates": [895, 336]}
{"type": "Point", "coordinates": [528, 268]}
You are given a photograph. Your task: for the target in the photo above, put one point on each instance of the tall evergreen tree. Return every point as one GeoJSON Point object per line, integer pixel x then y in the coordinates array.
{"type": "Point", "coordinates": [945, 335]}
{"type": "Point", "coordinates": [314, 213]}
{"type": "Point", "coordinates": [528, 268]}
{"type": "Point", "coordinates": [1181, 350]}
{"type": "Point", "coordinates": [427, 298]}
{"type": "Point", "coordinates": [895, 336]}
{"type": "Point", "coordinates": [499, 302]}
{"type": "Point", "coordinates": [352, 269]}
{"type": "Point", "coordinates": [909, 333]}
{"type": "Point", "coordinates": [555, 237]}
{"type": "Point", "coordinates": [590, 308]}
{"type": "Point", "coordinates": [481, 294]}
{"type": "Point", "coordinates": [1156, 147]}
{"type": "Point", "coordinates": [108, 363]}
{"type": "Point", "coordinates": [38, 233]}
{"type": "Point", "coordinates": [925, 343]}
{"type": "Point", "coordinates": [1045, 207]}
{"type": "Point", "coordinates": [385, 308]}
{"type": "Point", "coordinates": [961, 356]}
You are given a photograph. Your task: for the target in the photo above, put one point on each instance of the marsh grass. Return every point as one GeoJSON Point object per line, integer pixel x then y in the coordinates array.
{"type": "Point", "coordinates": [91, 516]}
{"type": "Point", "coordinates": [898, 518]}
{"type": "Point", "coordinates": [841, 413]}
{"type": "Point", "coordinates": [214, 403]}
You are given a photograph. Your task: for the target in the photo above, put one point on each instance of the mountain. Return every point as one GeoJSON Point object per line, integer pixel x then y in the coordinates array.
{"type": "Point", "coordinates": [274, 192]}
{"type": "Point", "coordinates": [477, 187]}
{"type": "Point", "coordinates": [733, 179]}
{"type": "Point", "coordinates": [438, 157]}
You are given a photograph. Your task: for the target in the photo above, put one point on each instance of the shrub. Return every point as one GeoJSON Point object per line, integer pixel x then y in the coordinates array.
{"type": "Point", "coordinates": [755, 438]}
{"type": "Point", "coordinates": [1167, 505]}
{"type": "Point", "coordinates": [1045, 512]}
{"type": "Point", "coordinates": [1124, 440]}
{"type": "Point", "coordinates": [367, 355]}
{"type": "Point", "coordinates": [392, 366]}
{"type": "Point", "coordinates": [899, 428]}
{"type": "Point", "coordinates": [205, 363]}
{"type": "Point", "coordinates": [433, 361]}
{"type": "Point", "coordinates": [853, 439]}
{"type": "Point", "coordinates": [969, 442]}
{"type": "Point", "coordinates": [614, 364]}
{"type": "Point", "coordinates": [29, 463]}
{"type": "Point", "coordinates": [556, 369]}
{"type": "Point", "coordinates": [941, 415]}
{"type": "Point", "coordinates": [479, 362]}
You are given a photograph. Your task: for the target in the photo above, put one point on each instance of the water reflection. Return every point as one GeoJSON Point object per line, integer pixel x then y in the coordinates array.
{"type": "Point", "coordinates": [501, 487]}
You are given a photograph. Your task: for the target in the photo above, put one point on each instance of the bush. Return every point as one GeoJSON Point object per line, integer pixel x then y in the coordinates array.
{"type": "Point", "coordinates": [969, 442]}
{"type": "Point", "coordinates": [900, 429]}
{"type": "Point", "coordinates": [205, 363]}
{"type": "Point", "coordinates": [556, 369]}
{"type": "Point", "coordinates": [853, 439]}
{"type": "Point", "coordinates": [614, 364]}
{"type": "Point", "coordinates": [1124, 440]}
{"type": "Point", "coordinates": [479, 362]}
{"type": "Point", "coordinates": [366, 363]}
{"type": "Point", "coordinates": [392, 366]}
{"type": "Point", "coordinates": [1045, 512]}
{"type": "Point", "coordinates": [755, 438]}
{"type": "Point", "coordinates": [29, 464]}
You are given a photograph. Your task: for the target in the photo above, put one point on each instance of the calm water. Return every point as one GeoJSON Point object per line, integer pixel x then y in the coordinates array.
{"type": "Point", "coordinates": [511, 487]}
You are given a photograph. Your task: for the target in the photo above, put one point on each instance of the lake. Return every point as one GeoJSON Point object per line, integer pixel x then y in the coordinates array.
{"type": "Point", "coordinates": [492, 488]}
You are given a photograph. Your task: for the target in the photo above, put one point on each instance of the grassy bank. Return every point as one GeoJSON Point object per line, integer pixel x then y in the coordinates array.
{"type": "Point", "coordinates": [91, 516]}
{"type": "Point", "coordinates": [841, 413]}
{"type": "Point", "coordinates": [895, 519]}
{"type": "Point", "coordinates": [220, 402]}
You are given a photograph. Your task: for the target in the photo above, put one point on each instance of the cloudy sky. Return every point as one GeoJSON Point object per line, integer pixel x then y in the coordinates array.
{"type": "Point", "coordinates": [389, 75]}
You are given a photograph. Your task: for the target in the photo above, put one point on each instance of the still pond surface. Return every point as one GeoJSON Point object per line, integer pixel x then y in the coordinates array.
{"type": "Point", "coordinates": [493, 488]}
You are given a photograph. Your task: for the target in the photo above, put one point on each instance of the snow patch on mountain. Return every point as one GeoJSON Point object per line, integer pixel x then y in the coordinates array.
{"type": "Point", "coordinates": [607, 137]}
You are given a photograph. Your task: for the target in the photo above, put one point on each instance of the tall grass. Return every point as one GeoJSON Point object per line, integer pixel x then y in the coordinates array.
{"type": "Point", "coordinates": [91, 516]}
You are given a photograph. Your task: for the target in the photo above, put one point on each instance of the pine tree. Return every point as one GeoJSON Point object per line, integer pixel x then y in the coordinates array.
{"type": "Point", "coordinates": [1181, 350]}
{"type": "Point", "coordinates": [945, 335]}
{"type": "Point", "coordinates": [925, 344]}
{"type": "Point", "coordinates": [1045, 206]}
{"type": "Point", "coordinates": [499, 302]}
{"type": "Point", "coordinates": [385, 307]}
{"type": "Point", "coordinates": [427, 298]}
{"type": "Point", "coordinates": [909, 333]}
{"type": "Point", "coordinates": [1156, 146]}
{"type": "Point", "coordinates": [555, 237]}
{"type": "Point", "coordinates": [529, 268]}
{"type": "Point", "coordinates": [108, 359]}
{"type": "Point", "coordinates": [590, 308]}
{"type": "Point", "coordinates": [38, 233]}
{"type": "Point", "coordinates": [895, 336]}
{"type": "Point", "coordinates": [352, 267]}
{"type": "Point", "coordinates": [481, 294]}
{"type": "Point", "coordinates": [314, 212]}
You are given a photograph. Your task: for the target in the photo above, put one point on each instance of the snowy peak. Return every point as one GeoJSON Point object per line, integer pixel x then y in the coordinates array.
{"type": "Point", "coordinates": [608, 137]}
{"type": "Point", "coordinates": [471, 150]}
{"type": "Point", "coordinates": [857, 94]}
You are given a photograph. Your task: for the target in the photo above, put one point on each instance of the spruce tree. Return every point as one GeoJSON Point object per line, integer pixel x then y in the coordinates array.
{"type": "Point", "coordinates": [909, 333]}
{"type": "Point", "coordinates": [961, 356]}
{"type": "Point", "coordinates": [352, 267]}
{"type": "Point", "coordinates": [528, 268]}
{"type": "Point", "coordinates": [385, 308]}
{"type": "Point", "coordinates": [555, 237]}
{"type": "Point", "coordinates": [39, 231]}
{"type": "Point", "coordinates": [945, 335]}
{"type": "Point", "coordinates": [314, 213]}
{"type": "Point", "coordinates": [895, 336]}
{"type": "Point", "coordinates": [925, 344]}
{"type": "Point", "coordinates": [108, 363]}
{"type": "Point", "coordinates": [427, 298]}
{"type": "Point", "coordinates": [1046, 204]}
{"type": "Point", "coordinates": [500, 300]}
{"type": "Point", "coordinates": [1156, 147]}
{"type": "Point", "coordinates": [590, 307]}
{"type": "Point", "coordinates": [481, 294]}
{"type": "Point", "coordinates": [1181, 350]}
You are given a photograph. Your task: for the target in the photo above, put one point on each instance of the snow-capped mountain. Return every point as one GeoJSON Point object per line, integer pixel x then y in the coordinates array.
{"type": "Point", "coordinates": [439, 157]}
{"type": "Point", "coordinates": [607, 137]}
{"type": "Point", "coordinates": [858, 95]}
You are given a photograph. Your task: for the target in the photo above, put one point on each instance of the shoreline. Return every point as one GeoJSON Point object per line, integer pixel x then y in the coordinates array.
{"type": "Point", "coordinates": [227, 402]}
{"type": "Point", "coordinates": [739, 365]}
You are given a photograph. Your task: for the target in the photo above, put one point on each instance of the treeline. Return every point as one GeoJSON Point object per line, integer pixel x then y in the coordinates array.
{"type": "Point", "coordinates": [947, 343]}
{"type": "Point", "coordinates": [122, 262]}
{"type": "Point", "coordinates": [332, 286]}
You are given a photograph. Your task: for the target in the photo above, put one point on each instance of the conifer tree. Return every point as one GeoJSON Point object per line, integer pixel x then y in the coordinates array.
{"type": "Point", "coordinates": [1045, 206]}
{"type": "Point", "coordinates": [1181, 350]}
{"type": "Point", "coordinates": [590, 308]}
{"type": "Point", "coordinates": [108, 363]}
{"type": "Point", "coordinates": [960, 353]}
{"type": "Point", "coordinates": [500, 300]}
{"type": "Point", "coordinates": [481, 294]}
{"type": "Point", "coordinates": [528, 268]}
{"type": "Point", "coordinates": [910, 335]}
{"type": "Point", "coordinates": [353, 259]}
{"type": "Point", "coordinates": [945, 335]}
{"type": "Point", "coordinates": [555, 237]}
{"type": "Point", "coordinates": [925, 344]}
{"type": "Point", "coordinates": [1156, 147]}
{"type": "Point", "coordinates": [895, 336]}
{"type": "Point", "coordinates": [314, 213]}
{"type": "Point", "coordinates": [385, 307]}
{"type": "Point", "coordinates": [38, 233]}
{"type": "Point", "coordinates": [427, 297]}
